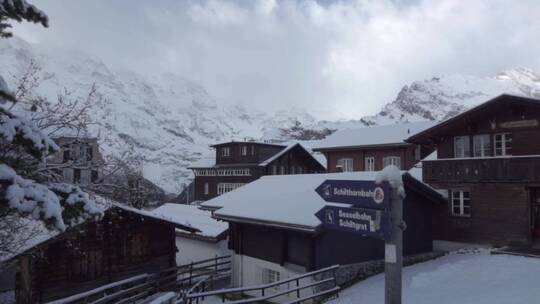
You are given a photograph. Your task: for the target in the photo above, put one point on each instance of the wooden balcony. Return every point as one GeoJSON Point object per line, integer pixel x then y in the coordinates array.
{"type": "Point", "coordinates": [487, 169]}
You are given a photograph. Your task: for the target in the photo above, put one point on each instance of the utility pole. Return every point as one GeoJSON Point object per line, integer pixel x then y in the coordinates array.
{"type": "Point", "coordinates": [394, 251]}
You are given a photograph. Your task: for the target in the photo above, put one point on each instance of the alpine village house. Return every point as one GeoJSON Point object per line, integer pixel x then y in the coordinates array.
{"type": "Point", "coordinates": [239, 163]}
{"type": "Point", "coordinates": [277, 235]}
{"type": "Point", "coordinates": [373, 148]}
{"type": "Point", "coordinates": [488, 161]}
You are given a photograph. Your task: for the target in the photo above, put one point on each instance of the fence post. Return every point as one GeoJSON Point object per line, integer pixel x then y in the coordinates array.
{"type": "Point", "coordinates": [298, 290]}
{"type": "Point", "coordinates": [216, 264]}
{"type": "Point", "coordinates": [190, 272]}
{"type": "Point", "coordinates": [262, 290]}
{"type": "Point", "coordinates": [335, 280]}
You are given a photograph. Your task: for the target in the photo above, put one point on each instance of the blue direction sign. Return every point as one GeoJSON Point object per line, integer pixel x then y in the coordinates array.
{"type": "Point", "coordinates": [367, 222]}
{"type": "Point", "coordinates": [364, 194]}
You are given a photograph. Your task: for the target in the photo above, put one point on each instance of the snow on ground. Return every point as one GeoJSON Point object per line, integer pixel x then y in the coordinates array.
{"type": "Point", "coordinates": [7, 297]}
{"type": "Point", "coordinates": [466, 277]}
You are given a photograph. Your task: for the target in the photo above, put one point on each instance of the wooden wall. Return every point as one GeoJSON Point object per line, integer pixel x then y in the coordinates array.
{"type": "Point", "coordinates": [120, 245]}
{"type": "Point", "coordinates": [494, 123]}
{"type": "Point", "coordinates": [262, 152]}
{"type": "Point", "coordinates": [500, 215]}
{"type": "Point", "coordinates": [407, 154]}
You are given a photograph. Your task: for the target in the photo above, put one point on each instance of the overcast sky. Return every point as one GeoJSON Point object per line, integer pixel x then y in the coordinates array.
{"type": "Point", "coordinates": [334, 58]}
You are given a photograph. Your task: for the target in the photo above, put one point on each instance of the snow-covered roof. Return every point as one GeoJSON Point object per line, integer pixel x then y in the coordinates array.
{"type": "Point", "coordinates": [280, 200]}
{"type": "Point", "coordinates": [34, 232]}
{"type": "Point", "coordinates": [194, 217]}
{"type": "Point", "coordinates": [290, 147]}
{"type": "Point", "coordinates": [268, 143]}
{"type": "Point", "coordinates": [205, 162]}
{"type": "Point", "coordinates": [373, 136]}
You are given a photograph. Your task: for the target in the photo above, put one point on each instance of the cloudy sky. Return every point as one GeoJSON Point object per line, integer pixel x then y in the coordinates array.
{"type": "Point", "coordinates": [334, 58]}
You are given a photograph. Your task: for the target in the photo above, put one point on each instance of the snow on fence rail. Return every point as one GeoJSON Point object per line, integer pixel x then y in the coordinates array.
{"type": "Point", "coordinates": [141, 286]}
{"type": "Point", "coordinates": [190, 298]}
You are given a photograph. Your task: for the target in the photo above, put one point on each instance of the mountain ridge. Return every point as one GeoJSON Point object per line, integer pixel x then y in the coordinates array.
{"type": "Point", "coordinates": [171, 121]}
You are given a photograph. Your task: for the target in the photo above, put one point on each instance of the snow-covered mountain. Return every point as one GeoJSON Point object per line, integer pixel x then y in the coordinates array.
{"type": "Point", "coordinates": [445, 96]}
{"type": "Point", "coordinates": [170, 121]}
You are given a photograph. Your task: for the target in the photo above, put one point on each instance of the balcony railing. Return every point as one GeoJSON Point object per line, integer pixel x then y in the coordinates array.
{"type": "Point", "coordinates": [486, 169]}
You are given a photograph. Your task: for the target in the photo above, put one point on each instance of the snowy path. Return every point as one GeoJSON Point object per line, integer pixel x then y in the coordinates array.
{"type": "Point", "coordinates": [478, 278]}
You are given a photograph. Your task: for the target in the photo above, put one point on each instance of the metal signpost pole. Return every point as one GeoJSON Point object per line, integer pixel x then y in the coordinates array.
{"type": "Point", "coordinates": [394, 251]}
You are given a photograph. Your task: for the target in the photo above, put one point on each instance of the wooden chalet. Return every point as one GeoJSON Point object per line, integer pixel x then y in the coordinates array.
{"type": "Point", "coordinates": [488, 159]}
{"type": "Point", "coordinates": [124, 243]}
{"type": "Point", "coordinates": [274, 233]}
{"type": "Point", "coordinates": [239, 163]}
{"type": "Point", "coordinates": [373, 148]}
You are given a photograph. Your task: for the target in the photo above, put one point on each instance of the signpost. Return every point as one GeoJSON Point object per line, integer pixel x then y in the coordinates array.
{"type": "Point", "coordinates": [364, 194]}
{"type": "Point", "coordinates": [377, 212]}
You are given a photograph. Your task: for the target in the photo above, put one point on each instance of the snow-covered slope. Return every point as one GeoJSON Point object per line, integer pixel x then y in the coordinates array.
{"type": "Point", "coordinates": [442, 97]}
{"type": "Point", "coordinates": [167, 119]}
{"type": "Point", "coordinates": [170, 121]}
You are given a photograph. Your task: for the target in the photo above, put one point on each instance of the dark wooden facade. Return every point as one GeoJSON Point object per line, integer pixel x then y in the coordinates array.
{"type": "Point", "coordinates": [325, 247]}
{"type": "Point", "coordinates": [295, 160]}
{"type": "Point", "coordinates": [121, 245]}
{"type": "Point", "coordinates": [502, 189]}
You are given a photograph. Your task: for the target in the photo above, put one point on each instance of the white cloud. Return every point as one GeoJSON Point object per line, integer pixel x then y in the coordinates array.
{"type": "Point", "coordinates": [341, 58]}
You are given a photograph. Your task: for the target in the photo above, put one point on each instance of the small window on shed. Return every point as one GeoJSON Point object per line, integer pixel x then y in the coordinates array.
{"type": "Point", "coordinates": [460, 203]}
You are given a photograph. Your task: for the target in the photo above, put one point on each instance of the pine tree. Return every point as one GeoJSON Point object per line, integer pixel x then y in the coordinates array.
{"type": "Point", "coordinates": [23, 147]}
{"type": "Point", "coordinates": [19, 10]}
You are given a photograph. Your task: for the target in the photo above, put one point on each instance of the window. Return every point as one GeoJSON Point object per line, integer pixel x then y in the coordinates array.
{"type": "Point", "coordinates": [461, 203]}
{"type": "Point", "coordinates": [89, 153]}
{"type": "Point", "coordinates": [68, 175]}
{"type": "Point", "coordinates": [95, 176]}
{"type": "Point", "coordinates": [417, 153]}
{"type": "Point", "coordinates": [282, 170]}
{"type": "Point", "coordinates": [503, 144]}
{"type": "Point", "coordinates": [270, 276]}
{"type": "Point", "coordinates": [227, 187]}
{"type": "Point", "coordinates": [85, 177]}
{"type": "Point", "coordinates": [243, 150]}
{"type": "Point", "coordinates": [300, 170]}
{"type": "Point", "coordinates": [481, 145]}
{"type": "Point", "coordinates": [369, 163]}
{"type": "Point", "coordinates": [392, 160]}
{"type": "Point", "coordinates": [274, 170]}
{"type": "Point", "coordinates": [252, 150]}
{"type": "Point", "coordinates": [206, 189]}
{"type": "Point", "coordinates": [77, 176]}
{"type": "Point", "coordinates": [225, 151]}
{"type": "Point", "coordinates": [461, 146]}
{"type": "Point", "coordinates": [293, 170]}
{"type": "Point", "coordinates": [67, 156]}
{"type": "Point", "coordinates": [346, 164]}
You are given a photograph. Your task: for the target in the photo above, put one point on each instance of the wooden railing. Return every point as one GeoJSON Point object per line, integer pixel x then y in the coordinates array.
{"type": "Point", "coordinates": [320, 286]}
{"type": "Point", "coordinates": [175, 279]}
{"type": "Point", "coordinates": [488, 169]}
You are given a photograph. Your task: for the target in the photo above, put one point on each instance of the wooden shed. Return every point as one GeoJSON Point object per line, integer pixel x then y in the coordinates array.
{"type": "Point", "coordinates": [124, 243]}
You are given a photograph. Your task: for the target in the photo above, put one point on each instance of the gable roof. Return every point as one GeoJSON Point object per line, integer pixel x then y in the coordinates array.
{"type": "Point", "coordinates": [191, 215]}
{"type": "Point", "coordinates": [35, 233]}
{"type": "Point", "coordinates": [262, 143]}
{"type": "Point", "coordinates": [372, 136]}
{"type": "Point", "coordinates": [289, 201]}
{"type": "Point", "coordinates": [495, 103]}
{"type": "Point", "coordinates": [289, 148]}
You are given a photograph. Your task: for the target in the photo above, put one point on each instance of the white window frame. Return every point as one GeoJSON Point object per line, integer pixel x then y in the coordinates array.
{"type": "Point", "coordinates": [369, 163]}
{"type": "Point", "coordinates": [300, 170]}
{"type": "Point", "coordinates": [269, 276]}
{"type": "Point", "coordinates": [462, 146]}
{"type": "Point", "coordinates": [484, 141]}
{"type": "Point", "coordinates": [225, 151]}
{"type": "Point", "coordinates": [392, 160]}
{"type": "Point", "coordinates": [228, 187]}
{"type": "Point", "coordinates": [243, 150]}
{"type": "Point", "coordinates": [292, 170]}
{"type": "Point", "coordinates": [282, 170]}
{"type": "Point", "coordinates": [346, 163]}
{"type": "Point", "coordinates": [505, 138]}
{"type": "Point", "coordinates": [460, 200]}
